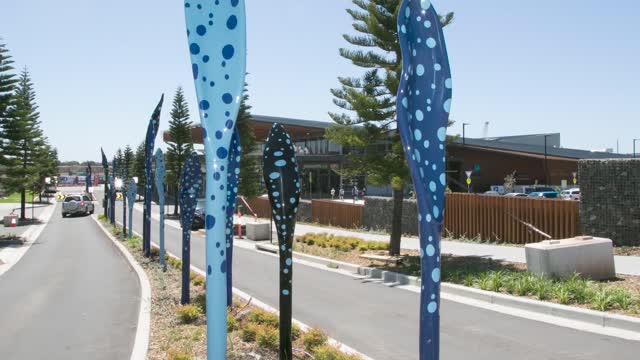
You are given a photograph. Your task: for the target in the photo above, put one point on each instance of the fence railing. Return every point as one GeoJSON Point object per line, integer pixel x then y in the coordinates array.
{"type": "Point", "coordinates": [509, 219]}
{"type": "Point", "coordinates": [327, 212]}
{"type": "Point", "coordinates": [490, 218]}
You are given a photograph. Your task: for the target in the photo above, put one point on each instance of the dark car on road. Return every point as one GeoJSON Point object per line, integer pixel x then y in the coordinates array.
{"type": "Point", "coordinates": [199, 215]}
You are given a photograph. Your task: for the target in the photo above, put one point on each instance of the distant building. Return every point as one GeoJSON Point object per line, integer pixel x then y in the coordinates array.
{"type": "Point", "coordinates": [490, 159]}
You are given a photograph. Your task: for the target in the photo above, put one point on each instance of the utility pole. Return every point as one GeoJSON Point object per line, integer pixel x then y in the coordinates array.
{"type": "Point", "coordinates": [634, 147]}
{"type": "Point", "coordinates": [546, 166]}
{"type": "Point", "coordinates": [464, 125]}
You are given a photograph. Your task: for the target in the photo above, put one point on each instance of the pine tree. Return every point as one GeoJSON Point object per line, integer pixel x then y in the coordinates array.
{"type": "Point", "coordinates": [139, 166]}
{"type": "Point", "coordinates": [7, 80]}
{"type": "Point", "coordinates": [47, 166]}
{"type": "Point", "coordinates": [250, 183]}
{"type": "Point", "coordinates": [120, 159]}
{"type": "Point", "coordinates": [180, 145]}
{"type": "Point", "coordinates": [127, 163]}
{"type": "Point", "coordinates": [370, 101]}
{"type": "Point", "coordinates": [22, 141]}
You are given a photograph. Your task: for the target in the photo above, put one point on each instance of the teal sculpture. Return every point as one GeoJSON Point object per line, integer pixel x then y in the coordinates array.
{"type": "Point", "coordinates": [132, 192]}
{"type": "Point", "coordinates": [216, 33]}
{"type": "Point", "coordinates": [190, 188]}
{"type": "Point", "coordinates": [160, 174]}
{"type": "Point", "coordinates": [423, 105]}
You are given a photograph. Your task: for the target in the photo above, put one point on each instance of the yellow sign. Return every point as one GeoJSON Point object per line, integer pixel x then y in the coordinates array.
{"type": "Point", "coordinates": [575, 181]}
{"type": "Point", "coordinates": [119, 196]}
{"type": "Point", "coordinates": [60, 197]}
{"type": "Point", "coordinates": [468, 181]}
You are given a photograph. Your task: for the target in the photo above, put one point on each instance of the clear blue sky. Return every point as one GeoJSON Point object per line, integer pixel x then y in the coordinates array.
{"type": "Point", "coordinates": [99, 67]}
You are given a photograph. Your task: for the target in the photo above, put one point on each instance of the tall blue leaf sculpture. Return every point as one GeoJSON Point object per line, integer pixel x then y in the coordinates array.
{"type": "Point", "coordinates": [424, 101]}
{"type": "Point", "coordinates": [132, 192]}
{"type": "Point", "coordinates": [112, 191]}
{"type": "Point", "coordinates": [283, 185]}
{"type": "Point", "coordinates": [105, 167]}
{"type": "Point", "coordinates": [216, 32]}
{"type": "Point", "coordinates": [160, 173]}
{"type": "Point", "coordinates": [190, 188]}
{"type": "Point", "coordinates": [152, 131]}
{"type": "Point", "coordinates": [233, 176]}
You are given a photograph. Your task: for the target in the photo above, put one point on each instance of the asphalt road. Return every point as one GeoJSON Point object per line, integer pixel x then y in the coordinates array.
{"type": "Point", "coordinates": [72, 296]}
{"type": "Point", "coordinates": [382, 322]}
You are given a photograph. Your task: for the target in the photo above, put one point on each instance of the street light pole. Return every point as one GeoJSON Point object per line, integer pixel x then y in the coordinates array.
{"type": "Point", "coordinates": [634, 147]}
{"type": "Point", "coordinates": [464, 125]}
{"type": "Point", "coordinates": [546, 166]}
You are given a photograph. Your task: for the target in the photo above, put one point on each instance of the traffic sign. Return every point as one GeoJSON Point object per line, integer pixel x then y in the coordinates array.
{"type": "Point", "coordinates": [468, 181]}
{"type": "Point", "coordinates": [575, 181]}
{"type": "Point", "coordinates": [469, 173]}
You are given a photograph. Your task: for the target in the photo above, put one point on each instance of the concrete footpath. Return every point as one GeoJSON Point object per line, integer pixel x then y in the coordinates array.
{"type": "Point", "coordinates": [71, 296]}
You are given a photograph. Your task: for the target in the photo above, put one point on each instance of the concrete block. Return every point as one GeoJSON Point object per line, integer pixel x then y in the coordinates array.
{"type": "Point", "coordinates": [389, 277]}
{"type": "Point", "coordinates": [258, 231]}
{"type": "Point", "coordinates": [588, 256]}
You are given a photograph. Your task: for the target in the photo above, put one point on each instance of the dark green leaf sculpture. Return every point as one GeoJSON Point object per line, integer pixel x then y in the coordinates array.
{"type": "Point", "coordinates": [283, 185]}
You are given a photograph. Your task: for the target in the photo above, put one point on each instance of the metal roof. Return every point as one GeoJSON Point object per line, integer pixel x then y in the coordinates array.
{"type": "Point", "coordinates": [539, 150]}
{"type": "Point", "coordinates": [292, 122]}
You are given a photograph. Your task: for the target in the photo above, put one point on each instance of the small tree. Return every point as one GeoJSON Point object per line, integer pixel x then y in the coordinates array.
{"type": "Point", "coordinates": [7, 80]}
{"type": "Point", "coordinates": [370, 102]}
{"type": "Point", "coordinates": [180, 145]}
{"type": "Point", "coordinates": [22, 142]}
{"type": "Point", "coordinates": [119, 157]}
{"type": "Point", "coordinates": [510, 182]}
{"type": "Point", "coordinates": [139, 165]}
{"type": "Point", "coordinates": [127, 162]}
{"type": "Point", "coordinates": [250, 183]}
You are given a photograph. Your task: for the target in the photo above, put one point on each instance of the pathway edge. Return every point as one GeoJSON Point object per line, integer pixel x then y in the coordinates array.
{"type": "Point", "coordinates": [143, 329]}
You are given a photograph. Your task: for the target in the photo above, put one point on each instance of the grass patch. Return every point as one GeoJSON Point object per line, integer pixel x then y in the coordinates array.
{"type": "Point", "coordinates": [341, 243]}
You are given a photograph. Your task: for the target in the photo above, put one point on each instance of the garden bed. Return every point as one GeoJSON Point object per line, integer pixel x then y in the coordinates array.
{"type": "Point", "coordinates": [179, 332]}
{"type": "Point", "coordinates": [621, 295]}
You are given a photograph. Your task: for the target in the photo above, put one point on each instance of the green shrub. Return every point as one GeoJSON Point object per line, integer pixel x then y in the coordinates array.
{"type": "Point", "coordinates": [188, 313]}
{"type": "Point", "coordinates": [622, 299]}
{"type": "Point", "coordinates": [602, 299]}
{"type": "Point", "coordinates": [267, 337]}
{"type": "Point", "coordinates": [201, 301]}
{"type": "Point", "coordinates": [295, 332]}
{"type": "Point", "coordinates": [327, 352]}
{"type": "Point", "coordinates": [248, 332]}
{"type": "Point", "coordinates": [542, 288]}
{"type": "Point", "coordinates": [314, 338]}
{"type": "Point", "coordinates": [198, 280]}
{"type": "Point", "coordinates": [232, 322]}
{"type": "Point", "coordinates": [261, 317]}
{"type": "Point", "coordinates": [174, 354]}
{"type": "Point", "coordinates": [562, 294]}
{"type": "Point", "coordinates": [155, 252]}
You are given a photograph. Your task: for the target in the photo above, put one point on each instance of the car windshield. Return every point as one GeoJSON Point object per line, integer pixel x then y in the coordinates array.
{"type": "Point", "coordinates": [201, 204]}
{"type": "Point", "coordinates": [86, 198]}
{"type": "Point", "coordinates": [72, 198]}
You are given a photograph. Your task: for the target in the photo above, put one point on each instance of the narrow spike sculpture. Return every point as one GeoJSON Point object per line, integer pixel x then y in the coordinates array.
{"type": "Point", "coordinates": [283, 186]}
{"type": "Point", "coordinates": [216, 34]}
{"type": "Point", "coordinates": [152, 131]}
{"type": "Point", "coordinates": [160, 174]}
{"type": "Point", "coordinates": [190, 188]}
{"type": "Point", "coordinates": [424, 100]}
{"type": "Point", "coordinates": [112, 192]}
{"type": "Point", "coordinates": [132, 192]}
{"type": "Point", "coordinates": [233, 176]}
{"type": "Point", "coordinates": [105, 166]}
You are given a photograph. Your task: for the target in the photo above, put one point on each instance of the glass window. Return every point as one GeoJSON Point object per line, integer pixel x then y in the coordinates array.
{"type": "Point", "coordinates": [72, 198]}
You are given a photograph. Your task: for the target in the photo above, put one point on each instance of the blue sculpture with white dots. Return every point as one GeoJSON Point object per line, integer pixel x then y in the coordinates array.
{"type": "Point", "coordinates": [190, 188]}
{"type": "Point", "coordinates": [282, 180]}
{"type": "Point", "coordinates": [216, 33]}
{"type": "Point", "coordinates": [160, 174]}
{"type": "Point", "coordinates": [233, 176]}
{"type": "Point", "coordinates": [152, 131]}
{"type": "Point", "coordinates": [424, 101]}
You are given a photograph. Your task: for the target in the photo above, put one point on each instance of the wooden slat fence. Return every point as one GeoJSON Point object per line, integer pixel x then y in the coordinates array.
{"type": "Point", "coordinates": [327, 212]}
{"type": "Point", "coordinates": [501, 218]}
{"type": "Point", "coordinates": [261, 206]}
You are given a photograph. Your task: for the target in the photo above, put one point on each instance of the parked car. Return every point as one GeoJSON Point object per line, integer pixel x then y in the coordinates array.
{"type": "Point", "coordinates": [77, 204]}
{"type": "Point", "coordinates": [199, 215]}
{"type": "Point", "coordinates": [570, 194]}
{"type": "Point", "coordinates": [532, 189]}
{"type": "Point", "coordinates": [492, 193]}
{"type": "Point", "coordinates": [544, 194]}
{"type": "Point", "coordinates": [516, 195]}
